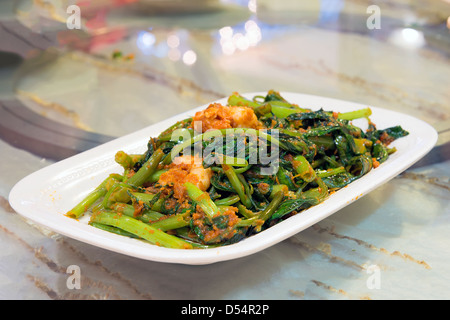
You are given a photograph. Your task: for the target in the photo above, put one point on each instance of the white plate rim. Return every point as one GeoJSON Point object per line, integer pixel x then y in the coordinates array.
{"type": "Point", "coordinates": [33, 196]}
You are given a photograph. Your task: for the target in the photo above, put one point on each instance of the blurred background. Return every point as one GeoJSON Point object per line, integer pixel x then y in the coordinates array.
{"type": "Point", "coordinates": [111, 67]}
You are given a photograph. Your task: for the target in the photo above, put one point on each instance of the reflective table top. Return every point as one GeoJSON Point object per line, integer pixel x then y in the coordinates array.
{"type": "Point", "coordinates": [130, 64]}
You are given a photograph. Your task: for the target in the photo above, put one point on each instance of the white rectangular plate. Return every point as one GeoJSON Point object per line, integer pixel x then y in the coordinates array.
{"type": "Point", "coordinates": [46, 195]}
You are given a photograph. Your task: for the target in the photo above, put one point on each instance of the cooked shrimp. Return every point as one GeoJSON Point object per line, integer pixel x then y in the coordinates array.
{"type": "Point", "coordinates": [217, 116]}
{"type": "Point", "coordinates": [186, 169]}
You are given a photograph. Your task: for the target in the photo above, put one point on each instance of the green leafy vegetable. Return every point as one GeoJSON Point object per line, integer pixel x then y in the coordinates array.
{"type": "Point", "coordinates": [265, 160]}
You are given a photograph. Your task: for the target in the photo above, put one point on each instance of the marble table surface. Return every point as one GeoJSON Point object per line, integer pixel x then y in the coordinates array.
{"type": "Point", "coordinates": [393, 243]}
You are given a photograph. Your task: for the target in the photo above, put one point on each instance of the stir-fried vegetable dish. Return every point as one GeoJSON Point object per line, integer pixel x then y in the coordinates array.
{"type": "Point", "coordinates": [234, 170]}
